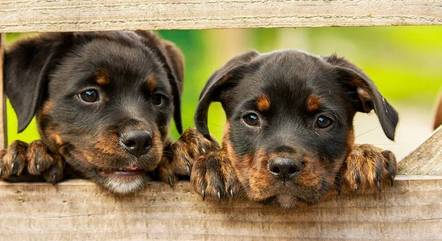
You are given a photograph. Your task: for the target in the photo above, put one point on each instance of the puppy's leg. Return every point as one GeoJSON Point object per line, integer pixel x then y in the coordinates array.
{"type": "Point", "coordinates": [213, 176]}
{"type": "Point", "coordinates": [35, 159]}
{"type": "Point", "coordinates": [367, 168]}
{"type": "Point", "coordinates": [179, 157]}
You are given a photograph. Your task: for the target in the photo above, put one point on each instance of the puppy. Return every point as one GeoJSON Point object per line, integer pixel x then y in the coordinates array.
{"type": "Point", "coordinates": [103, 102]}
{"type": "Point", "coordinates": [289, 134]}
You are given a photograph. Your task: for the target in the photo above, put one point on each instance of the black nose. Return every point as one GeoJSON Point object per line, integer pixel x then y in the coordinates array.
{"type": "Point", "coordinates": [284, 168]}
{"type": "Point", "coordinates": [136, 142]}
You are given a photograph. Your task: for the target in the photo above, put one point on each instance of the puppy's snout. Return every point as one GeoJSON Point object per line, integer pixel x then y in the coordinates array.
{"type": "Point", "coordinates": [284, 168]}
{"type": "Point", "coordinates": [136, 142]}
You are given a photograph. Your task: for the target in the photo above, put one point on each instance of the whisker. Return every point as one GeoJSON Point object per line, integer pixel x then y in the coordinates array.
{"type": "Point", "coordinates": [366, 132]}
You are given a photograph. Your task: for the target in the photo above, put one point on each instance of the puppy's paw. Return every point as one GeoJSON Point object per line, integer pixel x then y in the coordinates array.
{"type": "Point", "coordinates": [165, 171]}
{"type": "Point", "coordinates": [13, 160]}
{"type": "Point", "coordinates": [368, 168]}
{"type": "Point", "coordinates": [213, 176]}
{"type": "Point", "coordinates": [54, 173]}
{"type": "Point", "coordinates": [189, 147]}
{"type": "Point", "coordinates": [21, 159]}
{"type": "Point", "coordinates": [179, 157]}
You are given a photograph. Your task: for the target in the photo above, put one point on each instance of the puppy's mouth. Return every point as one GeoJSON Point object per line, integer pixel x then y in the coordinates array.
{"type": "Point", "coordinates": [129, 171]}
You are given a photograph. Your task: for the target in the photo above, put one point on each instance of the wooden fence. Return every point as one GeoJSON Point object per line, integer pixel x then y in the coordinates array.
{"type": "Point", "coordinates": [79, 210]}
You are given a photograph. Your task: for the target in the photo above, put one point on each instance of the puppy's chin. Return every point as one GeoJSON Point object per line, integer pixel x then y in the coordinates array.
{"type": "Point", "coordinates": [289, 195]}
{"type": "Point", "coordinates": [123, 184]}
{"type": "Point", "coordinates": [286, 200]}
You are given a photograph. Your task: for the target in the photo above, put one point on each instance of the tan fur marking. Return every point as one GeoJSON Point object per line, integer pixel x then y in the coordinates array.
{"type": "Point", "coordinates": [47, 107]}
{"type": "Point", "coordinates": [57, 138]}
{"type": "Point", "coordinates": [350, 140]}
{"type": "Point", "coordinates": [108, 144]}
{"type": "Point", "coordinates": [151, 82]}
{"type": "Point", "coordinates": [312, 103]}
{"type": "Point", "coordinates": [102, 77]}
{"type": "Point", "coordinates": [263, 103]}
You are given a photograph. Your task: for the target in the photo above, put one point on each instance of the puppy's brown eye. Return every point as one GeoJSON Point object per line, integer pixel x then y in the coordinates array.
{"type": "Point", "coordinates": [158, 99]}
{"type": "Point", "coordinates": [89, 95]}
{"type": "Point", "coordinates": [251, 119]}
{"type": "Point", "coordinates": [323, 121]}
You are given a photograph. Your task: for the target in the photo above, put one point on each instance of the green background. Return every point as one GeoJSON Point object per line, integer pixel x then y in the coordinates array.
{"type": "Point", "coordinates": [404, 62]}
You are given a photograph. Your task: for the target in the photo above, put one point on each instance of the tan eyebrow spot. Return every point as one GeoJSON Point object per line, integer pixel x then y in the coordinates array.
{"type": "Point", "coordinates": [151, 82]}
{"type": "Point", "coordinates": [312, 103]}
{"type": "Point", "coordinates": [263, 103]}
{"type": "Point", "coordinates": [102, 77]}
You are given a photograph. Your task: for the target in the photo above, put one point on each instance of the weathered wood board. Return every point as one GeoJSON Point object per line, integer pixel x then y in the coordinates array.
{"type": "Point", "coordinates": [79, 210]}
{"type": "Point", "coordinates": [86, 15]}
{"type": "Point", "coordinates": [426, 159]}
{"type": "Point", "coordinates": [3, 129]}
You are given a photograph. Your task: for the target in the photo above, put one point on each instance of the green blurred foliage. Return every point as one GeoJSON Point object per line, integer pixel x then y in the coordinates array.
{"type": "Point", "coordinates": [404, 62]}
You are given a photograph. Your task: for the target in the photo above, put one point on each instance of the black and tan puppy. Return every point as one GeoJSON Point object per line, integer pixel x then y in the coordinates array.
{"type": "Point", "coordinates": [289, 134]}
{"type": "Point", "coordinates": [103, 102]}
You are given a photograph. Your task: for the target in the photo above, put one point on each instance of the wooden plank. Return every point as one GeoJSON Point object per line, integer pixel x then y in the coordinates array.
{"type": "Point", "coordinates": [79, 210]}
{"type": "Point", "coordinates": [3, 129]}
{"type": "Point", "coordinates": [85, 15]}
{"type": "Point", "coordinates": [426, 159]}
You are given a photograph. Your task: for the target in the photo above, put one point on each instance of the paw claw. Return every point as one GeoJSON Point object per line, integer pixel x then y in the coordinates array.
{"type": "Point", "coordinates": [219, 195]}
{"type": "Point", "coordinates": [171, 181]}
{"type": "Point", "coordinates": [391, 180]}
{"type": "Point", "coordinates": [358, 180]}
{"type": "Point", "coordinates": [378, 184]}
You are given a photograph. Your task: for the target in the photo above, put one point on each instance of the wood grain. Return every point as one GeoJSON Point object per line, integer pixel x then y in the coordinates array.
{"type": "Point", "coordinates": [426, 159]}
{"type": "Point", "coordinates": [86, 15]}
{"type": "Point", "coordinates": [79, 210]}
{"type": "Point", "coordinates": [3, 129]}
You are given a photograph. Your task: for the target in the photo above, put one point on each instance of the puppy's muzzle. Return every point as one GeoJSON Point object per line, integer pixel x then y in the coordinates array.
{"type": "Point", "coordinates": [284, 168]}
{"type": "Point", "coordinates": [136, 142]}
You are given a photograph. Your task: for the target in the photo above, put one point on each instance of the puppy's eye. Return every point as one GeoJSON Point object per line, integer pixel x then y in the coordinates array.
{"type": "Point", "coordinates": [158, 99]}
{"type": "Point", "coordinates": [323, 121]}
{"type": "Point", "coordinates": [251, 119]}
{"type": "Point", "coordinates": [89, 95]}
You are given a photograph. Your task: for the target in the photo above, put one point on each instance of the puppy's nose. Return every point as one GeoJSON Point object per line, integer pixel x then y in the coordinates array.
{"type": "Point", "coordinates": [284, 168]}
{"type": "Point", "coordinates": [136, 142]}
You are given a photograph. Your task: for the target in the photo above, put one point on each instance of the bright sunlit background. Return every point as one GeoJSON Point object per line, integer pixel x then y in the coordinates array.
{"type": "Point", "coordinates": [404, 62]}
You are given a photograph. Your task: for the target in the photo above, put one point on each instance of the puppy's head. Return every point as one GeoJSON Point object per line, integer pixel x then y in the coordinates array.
{"type": "Point", "coordinates": [290, 120]}
{"type": "Point", "coordinates": [103, 100]}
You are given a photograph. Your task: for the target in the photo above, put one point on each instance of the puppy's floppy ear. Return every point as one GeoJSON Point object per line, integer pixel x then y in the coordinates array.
{"type": "Point", "coordinates": [222, 79]}
{"type": "Point", "coordinates": [27, 66]}
{"type": "Point", "coordinates": [362, 88]}
{"type": "Point", "coordinates": [173, 60]}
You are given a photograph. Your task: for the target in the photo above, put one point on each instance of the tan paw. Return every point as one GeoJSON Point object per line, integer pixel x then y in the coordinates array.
{"type": "Point", "coordinates": [179, 157]}
{"type": "Point", "coordinates": [213, 176]}
{"type": "Point", "coordinates": [368, 168]}
{"type": "Point", "coordinates": [33, 159]}
{"type": "Point", "coordinates": [13, 159]}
